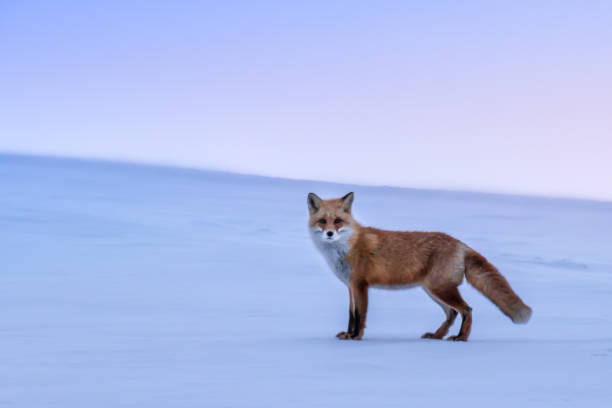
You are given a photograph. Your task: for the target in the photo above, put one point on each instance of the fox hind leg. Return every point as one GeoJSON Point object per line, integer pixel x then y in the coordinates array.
{"type": "Point", "coordinates": [452, 298]}
{"type": "Point", "coordinates": [451, 315]}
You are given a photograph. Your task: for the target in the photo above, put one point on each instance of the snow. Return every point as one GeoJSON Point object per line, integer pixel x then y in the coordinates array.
{"type": "Point", "coordinates": [128, 285]}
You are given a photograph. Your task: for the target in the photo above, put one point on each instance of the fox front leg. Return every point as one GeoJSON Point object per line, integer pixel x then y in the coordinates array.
{"type": "Point", "coordinates": [357, 314]}
{"type": "Point", "coordinates": [360, 298]}
{"type": "Point", "coordinates": [344, 335]}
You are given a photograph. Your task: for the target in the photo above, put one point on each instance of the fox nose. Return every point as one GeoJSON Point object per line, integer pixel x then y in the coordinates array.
{"type": "Point", "coordinates": [330, 233]}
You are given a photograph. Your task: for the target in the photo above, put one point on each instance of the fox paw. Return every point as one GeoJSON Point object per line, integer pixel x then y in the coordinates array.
{"type": "Point", "coordinates": [431, 336]}
{"type": "Point", "coordinates": [456, 338]}
{"type": "Point", "coordinates": [347, 336]}
{"type": "Point", "coordinates": [343, 335]}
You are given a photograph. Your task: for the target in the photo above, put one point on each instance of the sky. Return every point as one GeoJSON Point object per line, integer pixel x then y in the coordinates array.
{"type": "Point", "coordinates": [485, 96]}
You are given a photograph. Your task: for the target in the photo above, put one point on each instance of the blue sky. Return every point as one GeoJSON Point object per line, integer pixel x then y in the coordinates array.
{"type": "Point", "coordinates": [459, 95]}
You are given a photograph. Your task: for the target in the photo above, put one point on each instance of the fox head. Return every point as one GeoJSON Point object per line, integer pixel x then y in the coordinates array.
{"type": "Point", "coordinates": [330, 220]}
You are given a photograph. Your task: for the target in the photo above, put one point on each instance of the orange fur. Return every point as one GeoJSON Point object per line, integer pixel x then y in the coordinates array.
{"type": "Point", "coordinates": [392, 259]}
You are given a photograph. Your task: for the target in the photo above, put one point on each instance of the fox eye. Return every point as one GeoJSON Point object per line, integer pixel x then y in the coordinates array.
{"type": "Point", "coordinates": [337, 221]}
{"type": "Point", "coordinates": [322, 221]}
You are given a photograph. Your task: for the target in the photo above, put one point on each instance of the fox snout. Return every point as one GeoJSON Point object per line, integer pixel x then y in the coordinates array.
{"type": "Point", "coordinates": [326, 234]}
{"type": "Point", "coordinates": [332, 235]}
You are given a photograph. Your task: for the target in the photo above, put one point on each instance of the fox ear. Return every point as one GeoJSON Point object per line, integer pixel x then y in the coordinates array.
{"type": "Point", "coordinates": [314, 203]}
{"type": "Point", "coordinates": [347, 202]}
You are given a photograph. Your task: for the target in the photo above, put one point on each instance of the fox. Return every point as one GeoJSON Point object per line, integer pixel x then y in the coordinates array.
{"type": "Point", "coordinates": [364, 257]}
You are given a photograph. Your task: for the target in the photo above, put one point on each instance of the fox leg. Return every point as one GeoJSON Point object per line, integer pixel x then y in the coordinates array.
{"type": "Point", "coordinates": [451, 296]}
{"type": "Point", "coordinates": [344, 335]}
{"type": "Point", "coordinates": [450, 313]}
{"type": "Point", "coordinates": [360, 309]}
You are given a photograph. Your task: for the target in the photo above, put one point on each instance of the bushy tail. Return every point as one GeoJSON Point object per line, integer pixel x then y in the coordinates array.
{"type": "Point", "coordinates": [487, 279]}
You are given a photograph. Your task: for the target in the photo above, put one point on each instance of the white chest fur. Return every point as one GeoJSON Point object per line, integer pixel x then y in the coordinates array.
{"type": "Point", "coordinates": [335, 252]}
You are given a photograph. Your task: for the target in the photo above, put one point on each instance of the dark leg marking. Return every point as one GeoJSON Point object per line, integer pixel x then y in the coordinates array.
{"type": "Point", "coordinates": [351, 323]}
{"type": "Point", "coordinates": [356, 324]}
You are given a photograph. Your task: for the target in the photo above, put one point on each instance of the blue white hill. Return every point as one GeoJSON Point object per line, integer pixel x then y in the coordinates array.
{"type": "Point", "coordinates": [126, 285]}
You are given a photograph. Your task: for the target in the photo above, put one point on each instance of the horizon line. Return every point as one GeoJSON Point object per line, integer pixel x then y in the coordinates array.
{"type": "Point", "coordinates": [177, 166]}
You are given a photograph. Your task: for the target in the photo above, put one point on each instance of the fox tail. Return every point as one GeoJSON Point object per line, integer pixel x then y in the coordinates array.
{"type": "Point", "coordinates": [486, 279]}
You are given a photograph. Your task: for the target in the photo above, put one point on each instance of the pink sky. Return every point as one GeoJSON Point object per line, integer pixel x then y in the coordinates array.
{"type": "Point", "coordinates": [514, 98]}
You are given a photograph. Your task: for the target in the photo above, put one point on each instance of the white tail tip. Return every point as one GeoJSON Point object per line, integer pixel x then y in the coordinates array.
{"type": "Point", "coordinates": [522, 316]}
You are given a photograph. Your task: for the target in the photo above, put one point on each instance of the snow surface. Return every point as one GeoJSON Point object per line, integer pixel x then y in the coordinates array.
{"type": "Point", "coordinates": [142, 286]}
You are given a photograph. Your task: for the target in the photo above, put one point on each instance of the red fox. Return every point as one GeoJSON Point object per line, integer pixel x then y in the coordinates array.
{"type": "Point", "coordinates": [364, 257]}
